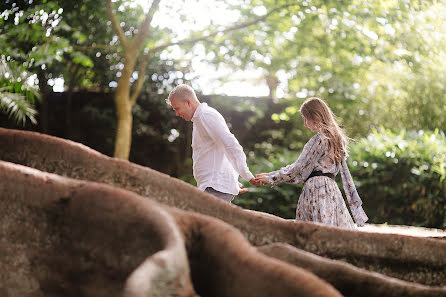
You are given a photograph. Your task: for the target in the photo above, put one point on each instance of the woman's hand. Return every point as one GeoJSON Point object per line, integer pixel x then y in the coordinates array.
{"type": "Point", "coordinates": [262, 178]}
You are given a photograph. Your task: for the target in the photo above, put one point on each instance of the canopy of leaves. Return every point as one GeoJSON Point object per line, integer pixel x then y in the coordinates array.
{"type": "Point", "coordinates": [375, 62]}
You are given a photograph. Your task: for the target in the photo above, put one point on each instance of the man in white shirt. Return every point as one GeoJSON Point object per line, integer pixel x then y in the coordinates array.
{"type": "Point", "coordinates": [218, 158]}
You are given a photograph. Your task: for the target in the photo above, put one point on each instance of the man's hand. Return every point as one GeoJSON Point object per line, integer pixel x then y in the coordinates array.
{"type": "Point", "coordinates": [242, 190]}
{"type": "Point", "coordinates": [254, 182]}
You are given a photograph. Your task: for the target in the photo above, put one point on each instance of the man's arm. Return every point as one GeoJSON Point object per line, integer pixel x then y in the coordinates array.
{"type": "Point", "coordinates": [217, 129]}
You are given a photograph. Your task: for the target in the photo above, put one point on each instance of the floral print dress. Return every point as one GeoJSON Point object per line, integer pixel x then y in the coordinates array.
{"type": "Point", "coordinates": [321, 200]}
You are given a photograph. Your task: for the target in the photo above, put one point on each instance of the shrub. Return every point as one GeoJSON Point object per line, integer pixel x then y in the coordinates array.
{"type": "Point", "coordinates": [401, 176]}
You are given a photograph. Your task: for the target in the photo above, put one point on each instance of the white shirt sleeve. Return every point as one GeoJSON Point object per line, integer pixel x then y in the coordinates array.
{"type": "Point", "coordinates": [215, 126]}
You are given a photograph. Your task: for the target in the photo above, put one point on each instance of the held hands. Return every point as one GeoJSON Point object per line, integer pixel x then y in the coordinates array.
{"type": "Point", "coordinates": [255, 182]}
{"type": "Point", "coordinates": [261, 178]}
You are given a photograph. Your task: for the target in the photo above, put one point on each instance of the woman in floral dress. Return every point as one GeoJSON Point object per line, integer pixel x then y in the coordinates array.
{"type": "Point", "coordinates": [323, 156]}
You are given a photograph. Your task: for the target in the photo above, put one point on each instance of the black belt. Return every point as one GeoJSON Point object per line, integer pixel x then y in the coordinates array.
{"type": "Point", "coordinates": [320, 173]}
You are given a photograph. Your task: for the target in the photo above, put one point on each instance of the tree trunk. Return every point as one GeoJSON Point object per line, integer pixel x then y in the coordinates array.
{"type": "Point", "coordinates": [123, 130]}
{"type": "Point", "coordinates": [123, 138]}
{"type": "Point", "coordinates": [68, 130]}
{"type": "Point", "coordinates": [43, 86]}
{"type": "Point", "coordinates": [273, 83]}
{"type": "Point", "coordinates": [132, 50]}
{"type": "Point", "coordinates": [74, 77]}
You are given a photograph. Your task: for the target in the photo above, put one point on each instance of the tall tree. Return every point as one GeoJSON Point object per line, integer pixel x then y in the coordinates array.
{"type": "Point", "coordinates": [137, 48]}
{"type": "Point", "coordinates": [349, 53]}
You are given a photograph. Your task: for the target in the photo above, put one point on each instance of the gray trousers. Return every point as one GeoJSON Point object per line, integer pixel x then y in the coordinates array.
{"type": "Point", "coordinates": [220, 195]}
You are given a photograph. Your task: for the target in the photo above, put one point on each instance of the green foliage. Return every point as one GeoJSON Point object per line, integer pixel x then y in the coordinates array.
{"type": "Point", "coordinates": [375, 62]}
{"type": "Point", "coordinates": [33, 34]}
{"type": "Point", "coordinates": [401, 176]}
{"type": "Point", "coordinates": [17, 97]}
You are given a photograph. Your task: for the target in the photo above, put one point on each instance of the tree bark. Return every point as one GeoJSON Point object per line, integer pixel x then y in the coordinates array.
{"type": "Point", "coordinates": [273, 83]}
{"type": "Point", "coordinates": [411, 259]}
{"type": "Point", "coordinates": [74, 76]}
{"type": "Point", "coordinates": [43, 86]}
{"type": "Point", "coordinates": [77, 238]}
{"type": "Point", "coordinates": [351, 281]}
{"type": "Point", "coordinates": [96, 218]}
{"type": "Point", "coordinates": [123, 99]}
{"type": "Point", "coordinates": [124, 114]}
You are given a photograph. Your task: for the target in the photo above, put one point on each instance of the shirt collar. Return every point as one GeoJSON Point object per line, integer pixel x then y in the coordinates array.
{"type": "Point", "coordinates": [198, 111]}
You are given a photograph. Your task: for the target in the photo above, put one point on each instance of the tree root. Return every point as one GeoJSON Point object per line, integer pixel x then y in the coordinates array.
{"type": "Point", "coordinates": [348, 279]}
{"type": "Point", "coordinates": [75, 238]}
{"type": "Point", "coordinates": [420, 260]}
{"type": "Point", "coordinates": [66, 237]}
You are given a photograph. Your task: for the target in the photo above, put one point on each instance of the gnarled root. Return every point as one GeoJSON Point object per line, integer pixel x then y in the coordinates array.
{"type": "Point", "coordinates": [348, 279]}
{"type": "Point", "coordinates": [408, 258]}
{"type": "Point", "coordinates": [64, 237]}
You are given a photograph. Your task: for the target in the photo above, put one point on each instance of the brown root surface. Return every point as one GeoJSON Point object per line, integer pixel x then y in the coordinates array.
{"type": "Point", "coordinates": [64, 237]}
{"type": "Point", "coordinates": [348, 279]}
{"type": "Point", "coordinates": [420, 260]}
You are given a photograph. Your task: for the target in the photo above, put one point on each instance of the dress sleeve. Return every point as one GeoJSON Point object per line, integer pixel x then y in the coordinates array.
{"type": "Point", "coordinates": [299, 171]}
{"type": "Point", "coordinates": [218, 130]}
{"type": "Point", "coordinates": [352, 195]}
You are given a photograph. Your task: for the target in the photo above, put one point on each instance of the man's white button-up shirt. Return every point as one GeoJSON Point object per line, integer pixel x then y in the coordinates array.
{"type": "Point", "coordinates": [218, 158]}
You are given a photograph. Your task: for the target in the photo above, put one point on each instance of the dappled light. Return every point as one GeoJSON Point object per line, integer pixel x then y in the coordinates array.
{"type": "Point", "coordinates": [84, 119]}
{"type": "Point", "coordinates": [75, 188]}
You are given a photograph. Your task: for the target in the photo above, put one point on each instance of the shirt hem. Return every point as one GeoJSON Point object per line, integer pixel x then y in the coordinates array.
{"type": "Point", "coordinates": [217, 188]}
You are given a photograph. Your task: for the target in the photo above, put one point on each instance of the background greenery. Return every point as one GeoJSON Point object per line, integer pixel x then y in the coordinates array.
{"type": "Point", "coordinates": [400, 177]}
{"type": "Point", "coordinates": [378, 64]}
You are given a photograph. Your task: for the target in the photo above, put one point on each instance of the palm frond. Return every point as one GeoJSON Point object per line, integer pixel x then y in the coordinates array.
{"type": "Point", "coordinates": [16, 106]}
{"type": "Point", "coordinates": [17, 95]}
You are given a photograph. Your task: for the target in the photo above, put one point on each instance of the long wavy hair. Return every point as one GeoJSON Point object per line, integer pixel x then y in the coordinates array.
{"type": "Point", "coordinates": [317, 112]}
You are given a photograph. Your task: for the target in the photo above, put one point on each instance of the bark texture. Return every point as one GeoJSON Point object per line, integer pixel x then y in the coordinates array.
{"type": "Point", "coordinates": [81, 223]}
{"type": "Point", "coordinates": [348, 279]}
{"type": "Point", "coordinates": [64, 237]}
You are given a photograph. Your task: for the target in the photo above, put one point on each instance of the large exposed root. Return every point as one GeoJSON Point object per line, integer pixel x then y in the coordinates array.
{"type": "Point", "coordinates": [421, 260]}
{"type": "Point", "coordinates": [63, 237]}
{"type": "Point", "coordinates": [348, 279]}
{"type": "Point", "coordinates": [224, 263]}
